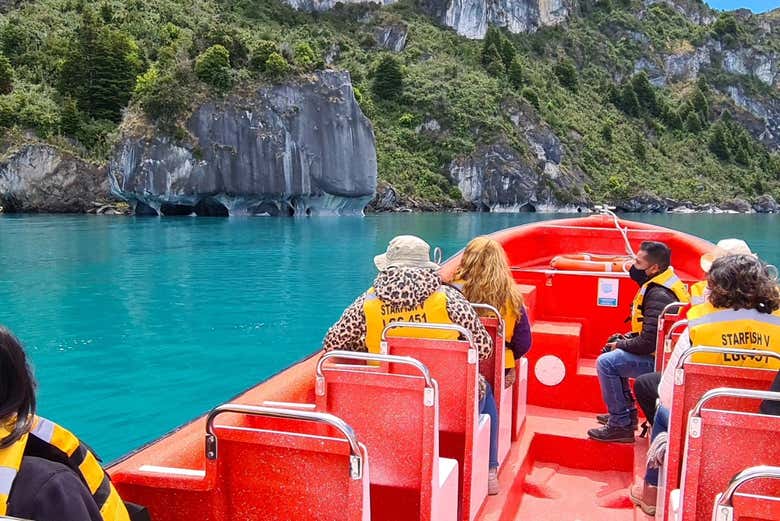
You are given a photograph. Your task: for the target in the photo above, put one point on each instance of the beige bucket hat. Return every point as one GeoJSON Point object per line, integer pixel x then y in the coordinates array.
{"type": "Point", "coordinates": [723, 248]}
{"type": "Point", "coordinates": [406, 251]}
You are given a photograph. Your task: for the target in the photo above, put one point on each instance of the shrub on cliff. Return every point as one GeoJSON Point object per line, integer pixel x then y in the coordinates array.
{"type": "Point", "coordinates": [305, 56]}
{"type": "Point", "coordinates": [160, 94]}
{"type": "Point", "coordinates": [6, 75]}
{"type": "Point", "coordinates": [515, 74]}
{"type": "Point", "coordinates": [276, 66]}
{"type": "Point", "coordinates": [388, 79]}
{"type": "Point", "coordinates": [212, 66]}
{"type": "Point", "coordinates": [566, 73]}
{"type": "Point", "coordinates": [259, 53]}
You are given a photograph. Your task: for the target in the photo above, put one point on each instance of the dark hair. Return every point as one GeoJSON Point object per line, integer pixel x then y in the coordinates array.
{"type": "Point", "coordinates": [17, 387]}
{"type": "Point", "coordinates": [657, 253]}
{"type": "Point", "coordinates": [742, 282]}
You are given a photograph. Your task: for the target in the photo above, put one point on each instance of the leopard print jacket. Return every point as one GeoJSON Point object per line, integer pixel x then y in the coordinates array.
{"type": "Point", "coordinates": [409, 288]}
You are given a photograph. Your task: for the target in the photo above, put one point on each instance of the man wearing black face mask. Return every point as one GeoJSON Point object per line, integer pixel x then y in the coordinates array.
{"type": "Point", "coordinates": [632, 356]}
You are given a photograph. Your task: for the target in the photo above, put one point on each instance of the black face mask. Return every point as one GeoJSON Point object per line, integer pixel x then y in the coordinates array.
{"type": "Point", "coordinates": [638, 276]}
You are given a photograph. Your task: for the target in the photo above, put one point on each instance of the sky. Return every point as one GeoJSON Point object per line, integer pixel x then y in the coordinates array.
{"type": "Point", "coordinates": [757, 6]}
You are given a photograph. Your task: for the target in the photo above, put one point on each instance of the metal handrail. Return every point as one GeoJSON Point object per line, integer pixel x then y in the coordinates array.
{"type": "Point", "coordinates": [356, 460]}
{"type": "Point", "coordinates": [734, 393]}
{"type": "Point", "coordinates": [679, 372]}
{"type": "Point", "coordinates": [668, 337]}
{"type": "Point", "coordinates": [429, 325]}
{"type": "Point", "coordinates": [724, 503]}
{"type": "Point", "coordinates": [488, 307]}
{"type": "Point", "coordinates": [672, 305]}
{"type": "Point", "coordinates": [723, 351]}
{"type": "Point", "coordinates": [374, 357]}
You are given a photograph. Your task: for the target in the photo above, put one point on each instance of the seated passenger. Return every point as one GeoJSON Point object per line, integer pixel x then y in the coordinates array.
{"type": "Point", "coordinates": [646, 386]}
{"type": "Point", "coordinates": [742, 311]}
{"type": "Point", "coordinates": [723, 248]}
{"type": "Point", "coordinates": [635, 355]}
{"type": "Point", "coordinates": [484, 277]}
{"type": "Point", "coordinates": [44, 468]}
{"type": "Point", "coordinates": [408, 288]}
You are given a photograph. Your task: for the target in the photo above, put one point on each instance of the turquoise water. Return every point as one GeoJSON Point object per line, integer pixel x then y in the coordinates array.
{"type": "Point", "coordinates": [135, 326]}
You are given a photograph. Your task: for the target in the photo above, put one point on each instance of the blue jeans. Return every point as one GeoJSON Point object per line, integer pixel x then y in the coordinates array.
{"type": "Point", "coordinates": [660, 424]}
{"type": "Point", "coordinates": [614, 369]}
{"type": "Point", "coordinates": [487, 405]}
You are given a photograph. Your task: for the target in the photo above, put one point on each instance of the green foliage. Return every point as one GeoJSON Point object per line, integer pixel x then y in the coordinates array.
{"type": "Point", "coordinates": [304, 55]}
{"type": "Point", "coordinates": [276, 66]}
{"type": "Point", "coordinates": [531, 96]}
{"type": "Point", "coordinates": [212, 66]}
{"type": "Point", "coordinates": [100, 68]}
{"type": "Point", "coordinates": [693, 123]}
{"type": "Point", "coordinates": [30, 107]}
{"type": "Point", "coordinates": [6, 75]}
{"type": "Point", "coordinates": [516, 74]}
{"type": "Point", "coordinates": [388, 79]}
{"type": "Point", "coordinates": [260, 52]}
{"type": "Point", "coordinates": [160, 94]}
{"type": "Point", "coordinates": [645, 94]}
{"type": "Point", "coordinates": [566, 73]}
{"type": "Point", "coordinates": [507, 51]}
{"type": "Point", "coordinates": [492, 61]}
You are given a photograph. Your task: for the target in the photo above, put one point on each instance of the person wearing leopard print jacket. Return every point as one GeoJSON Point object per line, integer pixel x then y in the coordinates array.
{"type": "Point", "coordinates": [408, 285]}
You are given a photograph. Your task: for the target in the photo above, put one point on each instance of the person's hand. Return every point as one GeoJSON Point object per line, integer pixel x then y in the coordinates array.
{"type": "Point", "coordinates": [510, 377]}
{"type": "Point", "coordinates": [610, 346]}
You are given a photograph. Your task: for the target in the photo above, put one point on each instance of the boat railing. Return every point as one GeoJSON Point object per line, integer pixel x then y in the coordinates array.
{"type": "Point", "coordinates": [465, 333]}
{"type": "Point", "coordinates": [374, 357]}
{"type": "Point", "coordinates": [679, 371]}
{"type": "Point", "coordinates": [720, 392]}
{"type": "Point", "coordinates": [668, 336]}
{"type": "Point", "coordinates": [723, 509]}
{"type": "Point", "coordinates": [355, 459]}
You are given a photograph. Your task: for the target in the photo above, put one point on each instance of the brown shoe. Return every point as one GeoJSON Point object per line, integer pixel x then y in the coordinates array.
{"type": "Point", "coordinates": [493, 486]}
{"type": "Point", "coordinates": [644, 496]}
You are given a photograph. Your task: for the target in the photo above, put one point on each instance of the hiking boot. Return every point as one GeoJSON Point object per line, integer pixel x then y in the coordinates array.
{"type": "Point", "coordinates": [612, 433]}
{"type": "Point", "coordinates": [644, 496]}
{"type": "Point", "coordinates": [493, 487]}
{"type": "Point", "coordinates": [604, 419]}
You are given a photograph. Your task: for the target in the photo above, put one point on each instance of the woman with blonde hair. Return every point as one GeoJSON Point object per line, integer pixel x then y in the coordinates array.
{"type": "Point", "coordinates": [484, 276]}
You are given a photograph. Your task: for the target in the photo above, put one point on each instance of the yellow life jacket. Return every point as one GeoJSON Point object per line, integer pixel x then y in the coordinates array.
{"type": "Point", "coordinates": [79, 458]}
{"type": "Point", "coordinates": [510, 321]}
{"type": "Point", "coordinates": [666, 279]}
{"type": "Point", "coordinates": [379, 315]}
{"type": "Point", "coordinates": [746, 329]}
{"type": "Point", "coordinates": [697, 293]}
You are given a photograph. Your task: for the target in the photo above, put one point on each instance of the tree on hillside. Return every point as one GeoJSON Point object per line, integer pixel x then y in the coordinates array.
{"type": "Point", "coordinates": [6, 75]}
{"type": "Point", "coordinates": [100, 69]}
{"type": "Point", "coordinates": [388, 79]}
{"type": "Point", "coordinates": [212, 66]}
{"type": "Point", "coordinates": [645, 93]}
{"type": "Point", "coordinates": [493, 62]}
{"type": "Point", "coordinates": [259, 53]}
{"type": "Point", "coordinates": [507, 52]}
{"type": "Point", "coordinates": [516, 74]}
{"type": "Point", "coordinates": [493, 38]}
{"type": "Point", "coordinates": [566, 73]}
{"type": "Point", "coordinates": [700, 105]}
{"type": "Point", "coordinates": [276, 66]}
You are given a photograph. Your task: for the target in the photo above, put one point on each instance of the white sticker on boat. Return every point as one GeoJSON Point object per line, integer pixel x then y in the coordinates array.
{"type": "Point", "coordinates": [550, 370]}
{"type": "Point", "coordinates": [608, 292]}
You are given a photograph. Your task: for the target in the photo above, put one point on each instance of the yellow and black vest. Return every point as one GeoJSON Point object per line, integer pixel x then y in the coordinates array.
{"type": "Point", "coordinates": [379, 315]}
{"type": "Point", "coordinates": [510, 320]}
{"type": "Point", "coordinates": [745, 329]}
{"type": "Point", "coordinates": [79, 459]}
{"type": "Point", "coordinates": [697, 293]}
{"type": "Point", "coordinates": [666, 279]}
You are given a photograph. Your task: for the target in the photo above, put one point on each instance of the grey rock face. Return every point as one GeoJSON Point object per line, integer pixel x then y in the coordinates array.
{"type": "Point", "coordinates": [645, 203]}
{"type": "Point", "coordinates": [766, 204]}
{"type": "Point", "coordinates": [325, 5]}
{"type": "Point", "coordinates": [766, 112]}
{"type": "Point", "coordinates": [736, 205]}
{"type": "Point", "coordinates": [303, 148]}
{"type": "Point", "coordinates": [392, 37]}
{"type": "Point", "coordinates": [40, 178]}
{"type": "Point", "coordinates": [471, 18]}
{"type": "Point", "coordinates": [686, 65]}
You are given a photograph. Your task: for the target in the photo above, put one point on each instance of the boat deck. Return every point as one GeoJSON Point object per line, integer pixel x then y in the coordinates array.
{"type": "Point", "coordinates": [537, 484]}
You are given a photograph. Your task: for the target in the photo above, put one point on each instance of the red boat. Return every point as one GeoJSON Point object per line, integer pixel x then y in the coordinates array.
{"type": "Point", "coordinates": [397, 436]}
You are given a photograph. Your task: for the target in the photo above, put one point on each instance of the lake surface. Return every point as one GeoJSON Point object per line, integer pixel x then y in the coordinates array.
{"type": "Point", "coordinates": [137, 325]}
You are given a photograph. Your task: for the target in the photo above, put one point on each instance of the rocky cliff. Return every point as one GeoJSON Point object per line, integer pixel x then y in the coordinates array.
{"type": "Point", "coordinates": [41, 178]}
{"type": "Point", "coordinates": [302, 148]}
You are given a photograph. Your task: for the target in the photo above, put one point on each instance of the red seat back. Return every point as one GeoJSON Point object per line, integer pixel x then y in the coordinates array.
{"type": "Point", "coordinates": [383, 406]}
{"type": "Point", "coordinates": [696, 380]}
{"type": "Point", "coordinates": [720, 443]}
{"type": "Point", "coordinates": [749, 505]}
{"type": "Point", "coordinates": [261, 469]}
{"type": "Point", "coordinates": [492, 368]}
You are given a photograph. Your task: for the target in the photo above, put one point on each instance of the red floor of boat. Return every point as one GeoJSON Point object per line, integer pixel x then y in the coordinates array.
{"type": "Point", "coordinates": [555, 473]}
